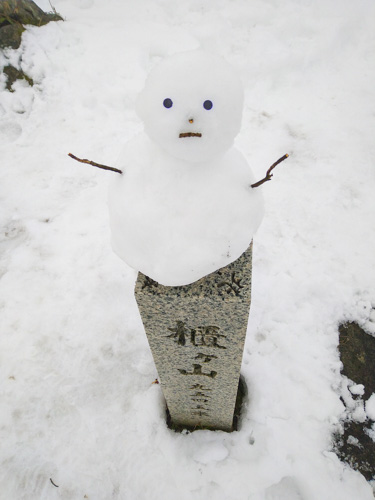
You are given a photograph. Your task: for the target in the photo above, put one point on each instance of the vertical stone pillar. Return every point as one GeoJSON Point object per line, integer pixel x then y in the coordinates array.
{"type": "Point", "coordinates": [196, 334]}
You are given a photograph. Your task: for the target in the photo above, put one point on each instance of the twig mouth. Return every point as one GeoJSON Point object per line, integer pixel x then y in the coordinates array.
{"type": "Point", "coordinates": [190, 134]}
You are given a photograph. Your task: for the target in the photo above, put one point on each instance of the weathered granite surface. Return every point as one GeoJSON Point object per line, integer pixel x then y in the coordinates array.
{"type": "Point", "coordinates": [196, 334]}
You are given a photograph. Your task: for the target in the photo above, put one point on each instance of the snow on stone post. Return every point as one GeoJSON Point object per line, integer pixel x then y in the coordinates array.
{"type": "Point", "coordinates": [196, 333]}
{"type": "Point", "coordinates": [183, 213]}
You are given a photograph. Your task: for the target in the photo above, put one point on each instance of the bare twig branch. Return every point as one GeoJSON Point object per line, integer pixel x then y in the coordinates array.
{"type": "Point", "coordinates": [268, 174]}
{"type": "Point", "coordinates": [53, 483]}
{"type": "Point", "coordinates": [88, 162]}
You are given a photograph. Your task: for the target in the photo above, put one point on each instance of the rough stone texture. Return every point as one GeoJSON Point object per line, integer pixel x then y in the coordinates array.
{"type": "Point", "coordinates": [14, 14]}
{"type": "Point", "coordinates": [357, 352]}
{"type": "Point", "coordinates": [25, 12]}
{"type": "Point", "coordinates": [196, 334]}
{"type": "Point", "coordinates": [14, 74]}
{"type": "Point", "coordinates": [11, 35]}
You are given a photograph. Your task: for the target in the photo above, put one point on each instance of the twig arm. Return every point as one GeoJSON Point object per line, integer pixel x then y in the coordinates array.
{"type": "Point", "coordinates": [88, 162]}
{"type": "Point", "coordinates": [268, 173]}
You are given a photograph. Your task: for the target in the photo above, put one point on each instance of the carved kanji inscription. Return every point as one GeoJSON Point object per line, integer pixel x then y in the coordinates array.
{"type": "Point", "coordinates": [196, 333]}
{"type": "Point", "coordinates": [197, 370]}
{"type": "Point", "coordinates": [201, 336]}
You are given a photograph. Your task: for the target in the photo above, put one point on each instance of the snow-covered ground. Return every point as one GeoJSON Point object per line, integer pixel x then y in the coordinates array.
{"type": "Point", "coordinates": [77, 403]}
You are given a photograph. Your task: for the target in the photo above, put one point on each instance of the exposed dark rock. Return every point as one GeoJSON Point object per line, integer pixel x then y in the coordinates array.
{"type": "Point", "coordinates": [11, 35]}
{"type": "Point", "coordinates": [14, 15]}
{"type": "Point", "coordinates": [354, 446]}
{"type": "Point", "coordinates": [25, 12]}
{"type": "Point", "coordinates": [14, 74]}
{"type": "Point", "coordinates": [357, 352]}
{"type": "Point", "coordinates": [357, 449]}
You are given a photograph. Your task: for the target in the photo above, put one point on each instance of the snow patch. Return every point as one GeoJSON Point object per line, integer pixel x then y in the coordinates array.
{"type": "Point", "coordinates": [370, 407]}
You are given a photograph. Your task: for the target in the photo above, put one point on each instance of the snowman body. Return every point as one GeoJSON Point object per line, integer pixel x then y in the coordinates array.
{"type": "Point", "coordinates": [184, 206]}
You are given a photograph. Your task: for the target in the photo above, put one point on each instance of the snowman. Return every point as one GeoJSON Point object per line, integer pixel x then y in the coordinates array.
{"type": "Point", "coordinates": [184, 206]}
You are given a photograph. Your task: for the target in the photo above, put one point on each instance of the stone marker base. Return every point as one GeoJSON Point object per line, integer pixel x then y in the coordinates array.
{"type": "Point", "coordinates": [196, 334]}
{"type": "Point", "coordinates": [240, 399]}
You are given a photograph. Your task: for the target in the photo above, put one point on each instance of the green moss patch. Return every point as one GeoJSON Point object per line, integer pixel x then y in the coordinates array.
{"type": "Point", "coordinates": [14, 74]}
{"type": "Point", "coordinates": [14, 15]}
{"type": "Point", "coordinates": [10, 35]}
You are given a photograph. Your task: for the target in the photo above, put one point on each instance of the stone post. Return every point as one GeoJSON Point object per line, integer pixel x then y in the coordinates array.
{"type": "Point", "coordinates": [196, 334]}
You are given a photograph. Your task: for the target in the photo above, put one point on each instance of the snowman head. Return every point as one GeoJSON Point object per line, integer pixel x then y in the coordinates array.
{"type": "Point", "coordinates": [191, 106]}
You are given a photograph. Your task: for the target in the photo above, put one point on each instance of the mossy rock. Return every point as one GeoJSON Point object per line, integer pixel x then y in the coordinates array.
{"type": "Point", "coordinates": [14, 15]}
{"type": "Point", "coordinates": [11, 35]}
{"type": "Point", "coordinates": [25, 12]}
{"type": "Point", "coordinates": [14, 74]}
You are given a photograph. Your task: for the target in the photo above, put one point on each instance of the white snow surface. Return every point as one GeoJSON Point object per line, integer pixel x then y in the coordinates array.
{"type": "Point", "coordinates": [77, 403]}
{"type": "Point", "coordinates": [370, 407]}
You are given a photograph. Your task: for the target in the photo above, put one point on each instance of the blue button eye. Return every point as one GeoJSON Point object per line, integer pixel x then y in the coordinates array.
{"type": "Point", "coordinates": [207, 105]}
{"type": "Point", "coordinates": [167, 103]}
